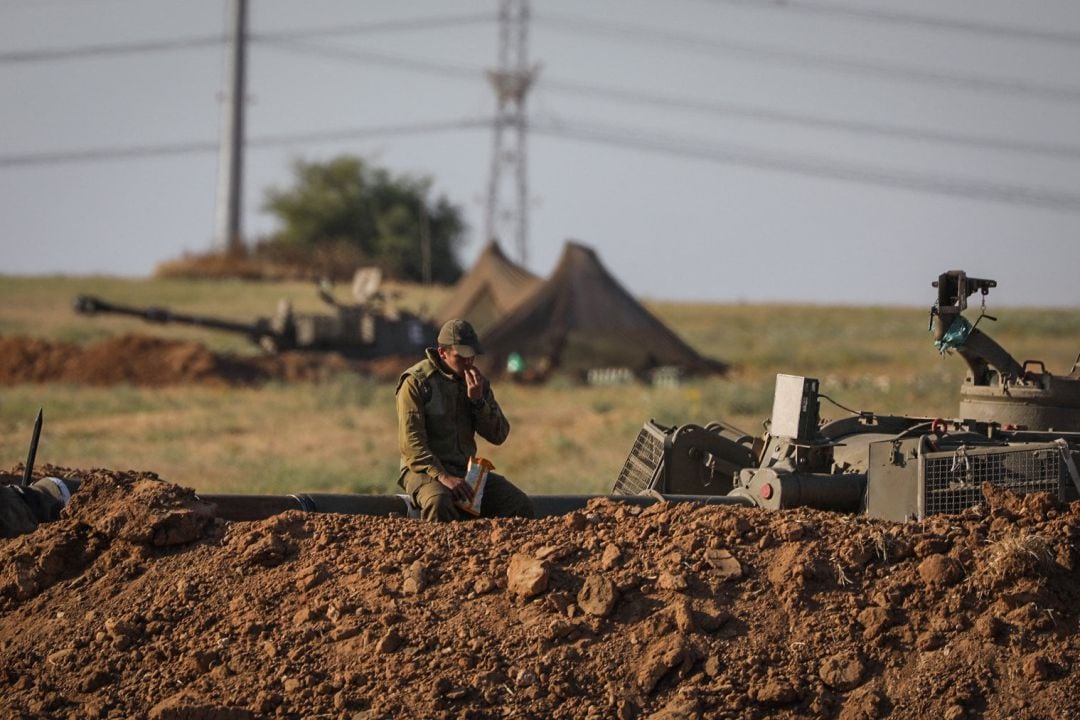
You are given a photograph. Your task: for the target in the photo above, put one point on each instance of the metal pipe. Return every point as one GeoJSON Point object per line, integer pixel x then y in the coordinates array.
{"type": "Point", "coordinates": [258, 507]}
{"type": "Point", "coordinates": [548, 505]}
{"type": "Point", "coordinates": [840, 493]}
{"type": "Point", "coordinates": [245, 508]}
{"type": "Point", "coordinates": [775, 489]}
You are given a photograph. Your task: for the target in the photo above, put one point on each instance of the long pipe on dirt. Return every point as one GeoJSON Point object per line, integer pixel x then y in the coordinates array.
{"type": "Point", "coordinates": [258, 507]}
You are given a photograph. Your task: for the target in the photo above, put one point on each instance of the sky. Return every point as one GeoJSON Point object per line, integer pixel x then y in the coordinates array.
{"type": "Point", "coordinates": [818, 151]}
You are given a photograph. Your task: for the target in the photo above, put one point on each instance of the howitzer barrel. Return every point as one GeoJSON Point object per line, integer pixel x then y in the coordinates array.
{"type": "Point", "coordinates": [90, 305]}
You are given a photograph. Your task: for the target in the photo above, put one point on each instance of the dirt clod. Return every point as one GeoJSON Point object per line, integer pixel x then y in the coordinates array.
{"type": "Point", "coordinates": [842, 672]}
{"type": "Point", "coordinates": [940, 571]}
{"type": "Point", "coordinates": [527, 576]}
{"type": "Point", "coordinates": [597, 596]}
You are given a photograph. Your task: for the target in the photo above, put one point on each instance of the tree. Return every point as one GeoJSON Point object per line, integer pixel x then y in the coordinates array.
{"type": "Point", "coordinates": [376, 218]}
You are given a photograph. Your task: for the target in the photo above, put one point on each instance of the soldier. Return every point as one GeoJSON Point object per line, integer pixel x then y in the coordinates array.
{"type": "Point", "coordinates": [22, 509]}
{"type": "Point", "coordinates": [442, 403]}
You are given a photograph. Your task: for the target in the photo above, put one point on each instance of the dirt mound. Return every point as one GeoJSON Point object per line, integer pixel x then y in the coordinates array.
{"type": "Point", "coordinates": [139, 602]}
{"type": "Point", "coordinates": [148, 361]}
{"type": "Point", "coordinates": [32, 360]}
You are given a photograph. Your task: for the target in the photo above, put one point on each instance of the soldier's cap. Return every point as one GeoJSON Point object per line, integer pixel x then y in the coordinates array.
{"type": "Point", "coordinates": [461, 336]}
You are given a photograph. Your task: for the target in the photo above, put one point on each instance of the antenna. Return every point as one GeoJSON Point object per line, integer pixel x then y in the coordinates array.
{"type": "Point", "coordinates": [28, 469]}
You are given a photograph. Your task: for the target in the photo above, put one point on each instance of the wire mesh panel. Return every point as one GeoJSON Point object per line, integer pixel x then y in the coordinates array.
{"type": "Point", "coordinates": [952, 481]}
{"type": "Point", "coordinates": [643, 463]}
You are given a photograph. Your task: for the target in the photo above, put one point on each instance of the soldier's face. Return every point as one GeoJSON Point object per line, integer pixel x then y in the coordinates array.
{"type": "Point", "coordinates": [457, 364]}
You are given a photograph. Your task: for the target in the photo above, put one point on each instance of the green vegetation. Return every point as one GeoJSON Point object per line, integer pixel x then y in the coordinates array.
{"type": "Point", "coordinates": [340, 435]}
{"type": "Point", "coordinates": [345, 213]}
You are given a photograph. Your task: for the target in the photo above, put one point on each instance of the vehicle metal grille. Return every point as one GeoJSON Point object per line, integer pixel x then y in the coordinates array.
{"type": "Point", "coordinates": [643, 464]}
{"type": "Point", "coordinates": [952, 481]}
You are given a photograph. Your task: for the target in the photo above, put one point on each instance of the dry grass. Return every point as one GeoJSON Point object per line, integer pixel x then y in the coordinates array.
{"type": "Point", "coordinates": [1018, 556]}
{"type": "Point", "coordinates": [842, 578]}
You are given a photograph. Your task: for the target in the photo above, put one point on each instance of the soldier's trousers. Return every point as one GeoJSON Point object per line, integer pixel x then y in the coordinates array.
{"type": "Point", "coordinates": [501, 498]}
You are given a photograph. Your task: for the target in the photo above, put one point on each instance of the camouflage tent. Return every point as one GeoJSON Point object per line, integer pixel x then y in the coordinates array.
{"type": "Point", "coordinates": [492, 288]}
{"type": "Point", "coordinates": [581, 319]}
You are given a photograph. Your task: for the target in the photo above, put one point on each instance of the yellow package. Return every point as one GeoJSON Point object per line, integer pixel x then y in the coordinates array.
{"type": "Point", "coordinates": [475, 477]}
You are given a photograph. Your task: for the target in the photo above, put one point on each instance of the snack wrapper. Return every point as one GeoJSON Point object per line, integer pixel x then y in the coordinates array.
{"type": "Point", "coordinates": [475, 477]}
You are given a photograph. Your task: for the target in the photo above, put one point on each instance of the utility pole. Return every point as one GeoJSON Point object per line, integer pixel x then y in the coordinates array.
{"type": "Point", "coordinates": [511, 81]}
{"type": "Point", "coordinates": [425, 242]}
{"type": "Point", "coordinates": [231, 158]}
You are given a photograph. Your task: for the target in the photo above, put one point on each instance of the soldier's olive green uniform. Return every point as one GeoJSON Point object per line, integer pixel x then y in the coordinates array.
{"type": "Point", "coordinates": [437, 425]}
{"type": "Point", "coordinates": [23, 508]}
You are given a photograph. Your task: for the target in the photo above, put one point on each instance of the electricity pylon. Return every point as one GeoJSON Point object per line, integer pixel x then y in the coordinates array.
{"type": "Point", "coordinates": [511, 82]}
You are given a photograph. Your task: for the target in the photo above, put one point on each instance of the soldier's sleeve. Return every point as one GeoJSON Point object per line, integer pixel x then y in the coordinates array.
{"type": "Point", "coordinates": [488, 419]}
{"type": "Point", "coordinates": [416, 455]}
{"type": "Point", "coordinates": [16, 516]}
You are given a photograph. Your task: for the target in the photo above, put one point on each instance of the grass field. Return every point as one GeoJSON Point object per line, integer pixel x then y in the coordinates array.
{"type": "Point", "coordinates": [340, 435]}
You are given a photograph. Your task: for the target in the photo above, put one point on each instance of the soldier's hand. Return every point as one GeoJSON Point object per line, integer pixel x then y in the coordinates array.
{"type": "Point", "coordinates": [459, 489]}
{"type": "Point", "coordinates": [475, 384]}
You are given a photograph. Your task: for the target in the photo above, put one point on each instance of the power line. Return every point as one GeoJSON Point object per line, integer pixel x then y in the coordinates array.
{"type": "Point", "coordinates": [636, 139]}
{"type": "Point", "coordinates": [35, 4]}
{"type": "Point", "coordinates": [213, 40]}
{"type": "Point", "coordinates": [109, 154]}
{"type": "Point", "coordinates": [625, 138]}
{"type": "Point", "coordinates": [110, 50]}
{"type": "Point", "coordinates": [899, 17]}
{"type": "Point", "coordinates": [323, 136]}
{"type": "Point", "coordinates": [814, 166]}
{"type": "Point", "coordinates": [438, 22]}
{"type": "Point", "coordinates": [292, 40]}
{"type": "Point", "coordinates": [430, 67]}
{"type": "Point", "coordinates": [574, 25]}
{"type": "Point", "coordinates": [900, 132]}
{"type": "Point", "coordinates": [835, 63]}
{"type": "Point", "coordinates": [674, 102]}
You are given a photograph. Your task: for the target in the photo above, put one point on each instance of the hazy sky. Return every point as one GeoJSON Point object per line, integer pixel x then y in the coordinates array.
{"type": "Point", "coordinates": [723, 150]}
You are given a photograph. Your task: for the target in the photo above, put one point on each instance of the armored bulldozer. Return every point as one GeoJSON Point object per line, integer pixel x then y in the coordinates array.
{"type": "Point", "coordinates": [1019, 430]}
{"type": "Point", "coordinates": [366, 329]}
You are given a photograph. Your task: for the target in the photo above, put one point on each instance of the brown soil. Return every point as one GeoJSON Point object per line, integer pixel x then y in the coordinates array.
{"type": "Point", "coordinates": [140, 602]}
{"type": "Point", "coordinates": [148, 361]}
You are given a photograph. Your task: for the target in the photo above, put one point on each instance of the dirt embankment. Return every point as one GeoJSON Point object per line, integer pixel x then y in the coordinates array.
{"type": "Point", "coordinates": [140, 602]}
{"type": "Point", "coordinates": [147, 361]}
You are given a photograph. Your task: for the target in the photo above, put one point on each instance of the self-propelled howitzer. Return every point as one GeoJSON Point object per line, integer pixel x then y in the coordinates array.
{"type": "Point", "coordinates": [355, 331]}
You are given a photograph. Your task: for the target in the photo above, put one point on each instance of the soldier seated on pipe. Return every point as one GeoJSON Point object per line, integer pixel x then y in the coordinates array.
{"type": "Point", "coordinates": [443, 402]}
